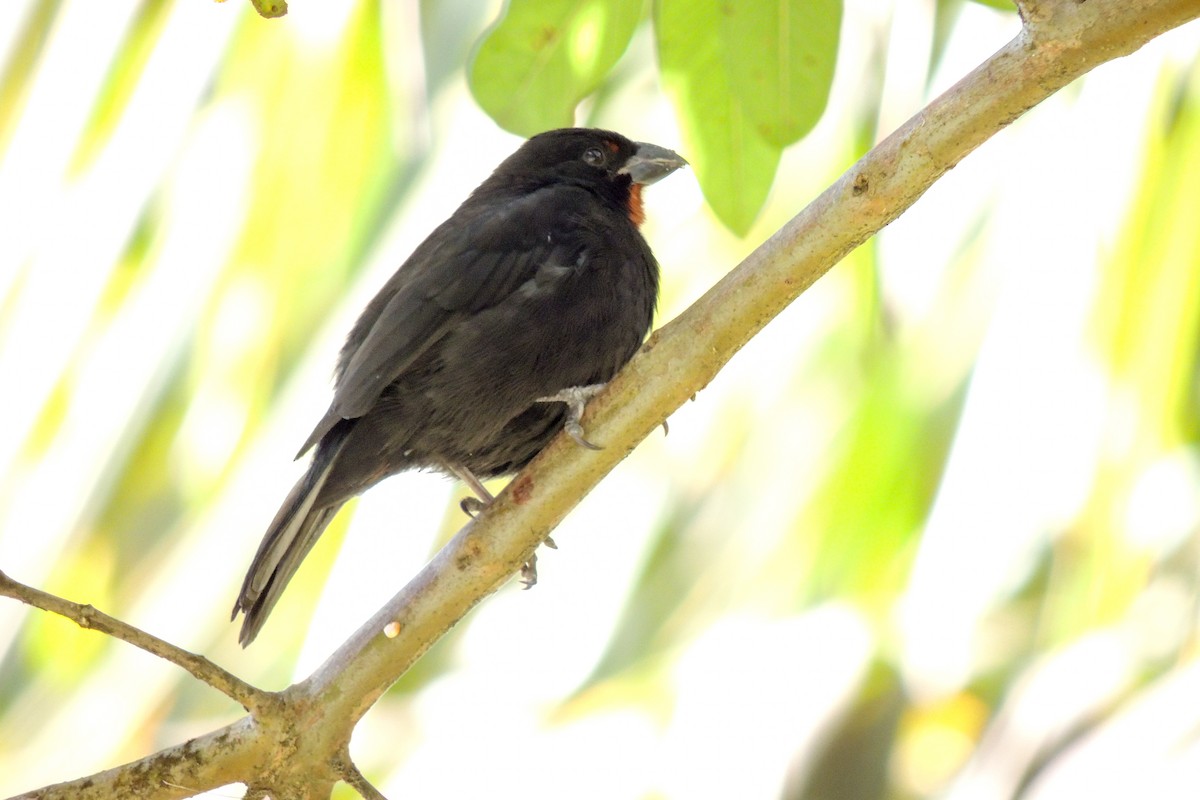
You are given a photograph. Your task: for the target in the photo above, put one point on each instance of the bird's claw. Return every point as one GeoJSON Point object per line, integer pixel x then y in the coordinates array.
{"type": "Point", "coordinates": [576, 399]}
{"type": "Point", "coordinates": [472, 506]}
{"type": "Point", "coordinates": [529, 572]}
{"type": "Point", "coordinates": [482, 499]}
{"type": "Point", "coordinates": [575, 431]}
{"type": "Point", "coordinates": [529, 577]}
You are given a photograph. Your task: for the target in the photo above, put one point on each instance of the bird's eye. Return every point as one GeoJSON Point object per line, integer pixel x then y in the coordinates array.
{"type": "Point", "coordinates": [593, 157]}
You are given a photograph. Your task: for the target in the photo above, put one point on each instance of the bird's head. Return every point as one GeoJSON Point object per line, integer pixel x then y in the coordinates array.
{"type": "Point", "coordinates": [601, 160]}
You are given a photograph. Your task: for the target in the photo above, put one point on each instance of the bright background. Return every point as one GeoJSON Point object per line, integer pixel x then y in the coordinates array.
{"type": "Point", "coordinates": [932, 534]}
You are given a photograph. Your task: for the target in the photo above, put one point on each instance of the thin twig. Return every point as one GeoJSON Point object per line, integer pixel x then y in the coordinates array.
{"type": "Point", "coordinates": [87, 616]}
{"type": "Point", "coordinates": [349, 772]}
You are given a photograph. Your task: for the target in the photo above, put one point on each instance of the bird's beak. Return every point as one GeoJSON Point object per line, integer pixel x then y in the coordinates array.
{"type": "Point", "coordinates": [650, 163]}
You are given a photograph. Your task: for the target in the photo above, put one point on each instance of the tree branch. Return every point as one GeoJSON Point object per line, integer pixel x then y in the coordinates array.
{"type": "Point", "coordinates": [355, 779]}
{"type": "Point", "coordinates": [86, 616]}
{"type": "Point", "coordinates": [199, 764]}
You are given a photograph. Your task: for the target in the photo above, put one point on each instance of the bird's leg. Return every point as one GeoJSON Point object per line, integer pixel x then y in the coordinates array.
{"type": "Point", "coordinates": [576, 398]}
{"type": "Point", "coordinates": [482, 499]}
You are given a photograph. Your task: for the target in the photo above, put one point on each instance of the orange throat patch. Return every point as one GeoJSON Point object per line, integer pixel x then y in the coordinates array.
{"type": "Point", "coordinates": [636, 212]}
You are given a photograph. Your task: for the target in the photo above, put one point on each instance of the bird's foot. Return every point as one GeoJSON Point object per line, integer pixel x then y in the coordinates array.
{"type": "Point", "coordinates": [482, 499]}
{"type": "Point", "coordinates": [576, 399]}
{"type": "Point", "coordinates": [529, 568]}
{"type": "Point", "coordinates": [529, 572]}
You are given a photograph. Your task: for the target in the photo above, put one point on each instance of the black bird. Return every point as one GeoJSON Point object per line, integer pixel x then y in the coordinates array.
{"type": "Point", "coordinates": [486, 342]}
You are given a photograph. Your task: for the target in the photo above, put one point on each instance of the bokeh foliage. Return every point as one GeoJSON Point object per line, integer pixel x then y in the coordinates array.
{"type": "Point", "coordinates": [934, 531]}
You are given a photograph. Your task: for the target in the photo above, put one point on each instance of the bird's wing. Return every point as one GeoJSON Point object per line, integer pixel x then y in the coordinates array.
{"type": "Point", "coordinates": [474, 260]}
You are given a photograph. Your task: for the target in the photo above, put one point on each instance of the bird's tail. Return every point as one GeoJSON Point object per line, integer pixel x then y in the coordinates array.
{"type": "Point", "coordinates": [296, 527]}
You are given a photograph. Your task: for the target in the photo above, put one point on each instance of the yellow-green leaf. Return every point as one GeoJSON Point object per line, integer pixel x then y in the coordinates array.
{"type": "Point", "coordinates": [535, 64]}
{"type": "Point", "coordinates": [734, 164]}
{"type": "Point", "coordinates": [780, 57]}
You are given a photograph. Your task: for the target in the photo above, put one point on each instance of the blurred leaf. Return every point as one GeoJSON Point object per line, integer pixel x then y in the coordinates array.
{"type": "Point", "coordinates": [17, 71]}
{"type": "Point", "coordinates": [734, 164]}
{"type": "Point", "coordinates": [1002, 5]}
{"type": "Point", "coordinates": [448, 37]}
{"type": "Point", "coordinates": [50, 420]}
{"type": "Point", "coordinates": [945, 18]}
{"type": "Point", "coordinates": [936, 736]}
{"type": "Point", "coordinates": [658, 593]}
{"type": "Point", "coordinates": [786, 54]}
{"type": "Point", "coordinates": [1145, 325]}
{"type": "Point", "coordinates": [135, 516]}
{"type": "Point", "coordinates": [306, 244]}
{"type": "Point", "coordinates": [535, 64]}
{"type": "Point", "coordinates": [123, 77]}
{"type": "Point", "coordinates": [868, 512]}
{"type": "Point", "coordinates": [1146, 315]}
{"type": "Point", "coordinates": [852, 763]}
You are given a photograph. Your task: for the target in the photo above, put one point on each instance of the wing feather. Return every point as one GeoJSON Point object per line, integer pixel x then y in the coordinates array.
{"type": "Point", "coordinates": [473, 261]}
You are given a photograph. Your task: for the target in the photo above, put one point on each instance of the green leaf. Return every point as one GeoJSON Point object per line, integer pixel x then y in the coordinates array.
{"type": "Point", "coordinates": [782, 55]}
{"type": "Point", "coordinates": [535, 64]}
{"type": "Point", "coordinates": [734, 164]}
